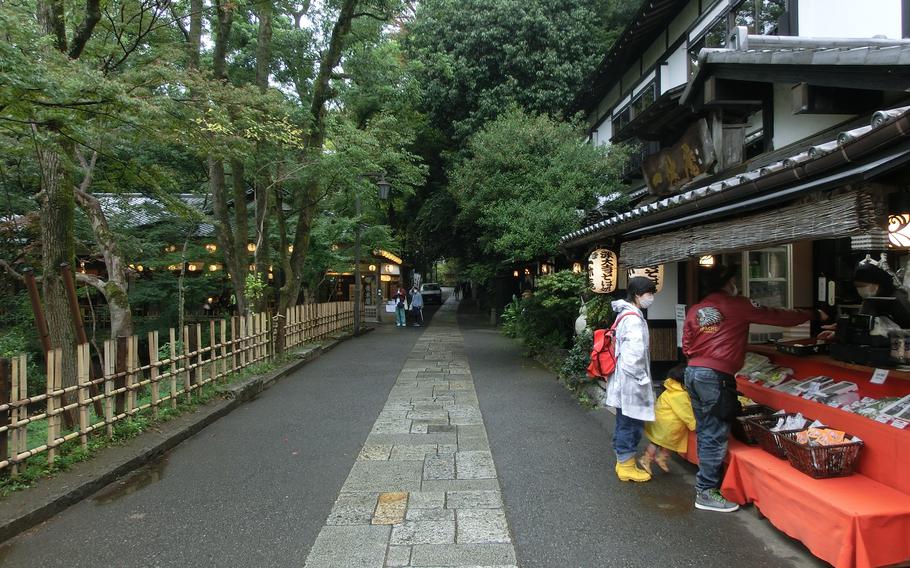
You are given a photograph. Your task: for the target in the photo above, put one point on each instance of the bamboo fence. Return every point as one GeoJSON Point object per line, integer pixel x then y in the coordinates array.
{"type": "Point", "coordinates": [127, 385]}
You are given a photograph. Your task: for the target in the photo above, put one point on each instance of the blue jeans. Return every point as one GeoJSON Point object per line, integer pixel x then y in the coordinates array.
{"type": "Point", "coordinates": [626, 436]}
{"type": "Point", "coordinates": [704, 386]}
{"type": "Point", "coordinates": [400, 316]}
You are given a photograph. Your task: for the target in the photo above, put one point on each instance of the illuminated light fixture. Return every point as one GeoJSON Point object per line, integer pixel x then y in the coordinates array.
{"type": "Point", "coordinates": [577, 268]}
{"type": "Point", "coordinates": [192, 267]}
{"type": "Point", "coordinates": [140, 268]}
{"type": "Point", "coordinates": [251, 247]}
{"type": "Point", "coordinates": [290, 248]}
{"type": "Point", "coordinates": [214, 267]}
{"type": "Point", "coordinates": [211, 247]}
{"type": "Point", "coordinates": [210, 299]}
{"type": "Point", "coordinates": [251, 267]}
{"type": "Point", "coordinates": [602, 271]}
{"type": "Point", "coordinates": [172, 267]}
{"type": "Point", "coordinates": [899, 230]}
{"type": "Point", "coordinates": [372, 268]}
{"type": "Point", "coordinates": [388, 256]}
{"type": "Point", "coordinates": [515, 274]}
{"type": "Point", "coordinates": [527, 271]}
{"type": "Point", "coordinates": [385, 278]}
{"type": "Point", "coordinates": [170, 248]}
{"type": "Point", "coordinates": [271, 276]}
{"type": "Point", "coordinates": [544, 268]}
{"type": "Point", "coordinates": [132, 267]}
{"type": "Point", "coordinates": [706, 261]}
{"type": "Point", "coordinates": [82, 266]}
{"type": "Point", "coordinates": [655, 273]}
{"type": "Point", "coordinates": [335, 247]}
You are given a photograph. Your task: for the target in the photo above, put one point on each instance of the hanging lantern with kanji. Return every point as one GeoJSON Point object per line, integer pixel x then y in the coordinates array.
{"type": "Point", "coordinates": [602, 271]}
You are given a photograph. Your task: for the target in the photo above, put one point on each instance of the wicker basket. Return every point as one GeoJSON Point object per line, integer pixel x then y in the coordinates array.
{"type": "Point", "coordinates": [742, 429]}
{"type": "Point", "coordinates": [760, 427]}
{"type": "Point", "coordinates": [837, 460]}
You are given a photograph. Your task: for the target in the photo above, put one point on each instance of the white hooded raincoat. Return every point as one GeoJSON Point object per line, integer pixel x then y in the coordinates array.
{"type": "Point", "coordinates": [629, 388]}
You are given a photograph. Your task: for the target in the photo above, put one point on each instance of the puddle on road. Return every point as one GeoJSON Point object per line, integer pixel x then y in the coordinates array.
{"type": "Point", "coordinates": [669, 505]}
{"type": "Point", "coordinates": [146, 476]}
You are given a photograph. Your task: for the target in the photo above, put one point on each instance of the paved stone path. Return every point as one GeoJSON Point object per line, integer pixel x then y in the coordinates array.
{"type": "Point", "coordinates": [423, 491]}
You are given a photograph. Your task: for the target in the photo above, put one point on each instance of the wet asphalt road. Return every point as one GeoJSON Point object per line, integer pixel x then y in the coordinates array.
{"type": "Point", "coordinates": [566, 507]}
{"type": "Point", "coordinates": [254, 488]}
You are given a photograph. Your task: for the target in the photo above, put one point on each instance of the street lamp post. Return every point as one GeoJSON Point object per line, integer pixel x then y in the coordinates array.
{"type": "Point", "coordinates": [384, 188]}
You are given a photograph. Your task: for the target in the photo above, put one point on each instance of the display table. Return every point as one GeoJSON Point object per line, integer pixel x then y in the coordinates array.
{"type": "Point", "coordinates": [851, 522]}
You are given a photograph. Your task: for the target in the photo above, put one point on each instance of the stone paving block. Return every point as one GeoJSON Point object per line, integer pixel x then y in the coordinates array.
{"type": "Point", "coordinates": [430, 514]}
{"type": "Point", "coordinates": [423, 532]}
{"type": "Point", "coordinates": [474, 444]}
{"type": "Point", "coordinates": [414, 452]}
{"type": "Point", "coordinates": [384, 476]}
{"type": "Point", "coordinates": [410, 439]}
{"type": "Point", "coordinates": [375, 453]}
{"type": "Point", "coordinates": [441, 428]}
{"type": "Point", "coordinates": [472, 431]}
{"type": "Point", "coordinates": [352, 509]}
{"type": "Point", "coordinates": [459, 484]}
{"type": "Point", "coordinates": [474, 500]}
{"type": "Point", "coordinates": [430, 555]}
{"type": "Point", "coordinates": [398, 556]}
{"type": "Point", "coordinates": [351, 547]}
{"type": "Point", "coordinates": [440, 415]}
{"type": "Point", "coordinates": [426, 500]}
{"type": "Point", "coordinates": [447, 449]}
{"type": "Point", "coordinates": [390, 508]}
{"type": "Point", "coordinates": [481, 526]}
{"type": "Point", "coordinates": [473, 464]}
{"type": "Point", "coordinates": [417, 428]}
{"type": "Point", "coordinates": [397, 426]}
{"type": "Point", "coordinates": [439, 467]}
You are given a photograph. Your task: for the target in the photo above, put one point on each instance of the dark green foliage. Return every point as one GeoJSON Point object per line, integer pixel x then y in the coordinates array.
{"type": "Point", "coordinates": [574, 368]}
{"type": "Point", "coordinates": [545, 320]}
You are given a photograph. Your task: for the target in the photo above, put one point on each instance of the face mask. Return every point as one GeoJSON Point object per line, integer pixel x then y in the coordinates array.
{"type": "Point", "coordinates": [734, 291]}
{"type": "Point", "coordinates": [646, 301]}
{"type": "Point", "coordinates": [867, 291]}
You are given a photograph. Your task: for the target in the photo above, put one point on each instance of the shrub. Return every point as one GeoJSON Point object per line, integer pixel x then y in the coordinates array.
{"type": "Point", "coordinates": [574, 367]}
{"type": "Point", "coordinates": [546, 319]}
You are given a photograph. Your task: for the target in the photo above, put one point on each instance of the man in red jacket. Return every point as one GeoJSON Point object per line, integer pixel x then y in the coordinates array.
{"type": "Point", "coordinates": [714, 340]}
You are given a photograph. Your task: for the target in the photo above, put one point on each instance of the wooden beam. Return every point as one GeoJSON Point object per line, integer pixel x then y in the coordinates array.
{"type": "Point", "coordinates": [813, 99]}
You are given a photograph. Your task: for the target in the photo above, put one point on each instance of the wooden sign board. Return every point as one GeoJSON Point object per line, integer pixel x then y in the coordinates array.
{"type": "Point", "coordinates": [672, 167]}
{"type": "Point", "coordinates": [655, 273]}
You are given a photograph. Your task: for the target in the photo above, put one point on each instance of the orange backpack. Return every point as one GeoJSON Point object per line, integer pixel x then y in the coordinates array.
{"type": "Point", "coordinates": [603, 355]}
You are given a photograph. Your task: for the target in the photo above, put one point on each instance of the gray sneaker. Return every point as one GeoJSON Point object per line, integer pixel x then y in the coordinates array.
{"type": "Point", "coordinates": [712, 500]}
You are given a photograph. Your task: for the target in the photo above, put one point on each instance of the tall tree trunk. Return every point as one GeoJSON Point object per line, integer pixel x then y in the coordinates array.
{"type": "Point", "coordinates": [224, 234]}
{"type": "Point", "coordinates": [261, 178]}
{"type": "Point", "coordinates": [116, 288]}
{"type": "Point", "coordinates": [57, 210]}
{"type": "Point", "coordinates": [195, 37]}
{"type": "Point", "coordinates": [307, 200]}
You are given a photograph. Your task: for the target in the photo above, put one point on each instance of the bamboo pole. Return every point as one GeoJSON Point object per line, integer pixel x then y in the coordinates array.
{"type": "Point", "coordinates": [110, 347]}
{"type": "Point", "coordinates": [224, 350]}
{"type": "Point", "coordinates": [234, 344]}
{"type": "Point", "coordinates": [187, 386]}
{"type": "Point", "coordinates": [173, 342]}
{"type": "Point", "coordinates": [23, 410]}
{"type": "Point", "coordinates": [6, 397]}
{"type": "Point", "coordinates": [83, 376]}
{"type": "Point", "coordinates": [213, 368]}
{"type": "Point", "coordinates": [54, 370]}
{"type": "Point", "coordinates": [197, 372]}
{"type": "Point", "coordinates": [132, 359]}
{"type": "Point", "coordinates": [153, 372]}
{"type": "Point", "coordinates": [14, 413]}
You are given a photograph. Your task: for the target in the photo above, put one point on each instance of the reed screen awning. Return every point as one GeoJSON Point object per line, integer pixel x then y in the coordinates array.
{"type": "Point", "coordinates": [833, 217]}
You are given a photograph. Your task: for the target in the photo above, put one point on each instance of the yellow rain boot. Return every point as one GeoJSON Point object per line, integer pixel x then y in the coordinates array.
{"type": "Point", "coordinates": [629, 471]}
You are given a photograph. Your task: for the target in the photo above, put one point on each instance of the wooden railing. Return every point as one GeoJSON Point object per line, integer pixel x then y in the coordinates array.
{"type": "Point", "coordinates": [124, 385]}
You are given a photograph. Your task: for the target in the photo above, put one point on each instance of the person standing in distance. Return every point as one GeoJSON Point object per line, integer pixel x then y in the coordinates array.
{"type": "Point", "coordinates": [629, 389]}
{"type": "Point", "coordinates": [715, 336]}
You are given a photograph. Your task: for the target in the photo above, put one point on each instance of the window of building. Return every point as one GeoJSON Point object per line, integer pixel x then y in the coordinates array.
{"type": "Point", "coordinates": [762, 17]}
{"type": "Point", "coordinates": [636, 106]}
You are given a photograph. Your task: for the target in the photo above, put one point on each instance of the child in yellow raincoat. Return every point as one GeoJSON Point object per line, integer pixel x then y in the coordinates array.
{"type": "Point", "coordinates": [673, 419]}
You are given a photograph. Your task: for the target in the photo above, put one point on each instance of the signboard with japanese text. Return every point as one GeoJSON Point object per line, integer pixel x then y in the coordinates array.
{"type": "Point", "coordinates": [669, 169]}
{"type": "Point", "coordinates": [603, 271]}
{"type": "Point", "coordinates": [655, 273]}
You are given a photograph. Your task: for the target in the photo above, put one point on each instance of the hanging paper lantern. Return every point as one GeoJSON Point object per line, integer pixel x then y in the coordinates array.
{"type": "Point", "coordinates": [655, 273]}
{"type": "Point", "coordinates": [602, 271]}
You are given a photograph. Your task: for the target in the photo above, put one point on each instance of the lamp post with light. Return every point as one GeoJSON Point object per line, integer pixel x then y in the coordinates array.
{"type": "Point", "coordinates": [384, 188]}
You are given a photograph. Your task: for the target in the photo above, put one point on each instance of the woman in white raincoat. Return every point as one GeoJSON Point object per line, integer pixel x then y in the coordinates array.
{"type": "Point", "coordinates": [629, 387]}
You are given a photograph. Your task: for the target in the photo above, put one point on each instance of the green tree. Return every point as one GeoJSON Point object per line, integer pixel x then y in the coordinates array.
{"type": "Point", "coordinates": [522, 182]}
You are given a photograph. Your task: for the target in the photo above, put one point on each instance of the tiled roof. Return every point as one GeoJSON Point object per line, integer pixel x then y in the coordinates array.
{"type": "Point", "coordinates": [615, 224]}
{"type": "Point", "coordinates": [136, 210]}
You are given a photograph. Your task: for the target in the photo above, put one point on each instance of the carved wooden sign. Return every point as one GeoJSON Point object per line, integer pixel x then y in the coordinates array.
{"type": "Point", "coordinates": [655, 273]}
{"type": "Point", "coordinates": [672, 167]}
{"type": "Point", "coordinates": [603, 270]}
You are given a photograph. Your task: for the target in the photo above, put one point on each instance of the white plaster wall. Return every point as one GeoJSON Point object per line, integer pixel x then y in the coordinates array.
{"type": "Point", "coordinates": [676, 70]}
{"type": "Point", "coordinates": [789, 127]}
{"type": "Point", "coordinates": [603, 133]}
{"type": "Point", "coordinates": [850, 18]}
{"type": "Point", "coordinates": [664, 306]}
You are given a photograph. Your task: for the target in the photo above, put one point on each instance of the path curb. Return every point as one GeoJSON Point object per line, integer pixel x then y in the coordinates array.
{"type": "Point", "coordinates": [24, 509]}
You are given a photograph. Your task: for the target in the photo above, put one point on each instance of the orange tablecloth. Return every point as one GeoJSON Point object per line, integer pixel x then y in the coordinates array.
{"type": "Point", "coordinates": [886, 455]}
{"type": "Point", "coordinates": [851, 522]}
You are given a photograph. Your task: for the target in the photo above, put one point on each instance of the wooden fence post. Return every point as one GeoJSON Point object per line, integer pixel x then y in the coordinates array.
{"type": "Point", "coordinates": [173, 342]}
{"type": "Point", "coordinates": [110, 366]}
{"type": "Point", "coordinates": [224, 360]}
{"type": "Point", "coordinates": [187, 363]}
{"type": "Point", "coordinates": [120, 370]}
{"type": "Point", "coordinates": [153, 372]}
{"type": "Point", "coordinates": [83, 377]}
{"type": "Point", "coordinates": [54, 383]}
{"type": "Point", "coordinates": [19, 393]}
{"type": "Point", "coordinates": [197, 373]}
{"type": "Point", "coordinates": [213, 359]}
{"type": "Point", "coordinates": [234, 324]}
{"type": "Point", "coordinates": [6, 396]}
{"type": "Point", "coordinates": [132, 364]}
